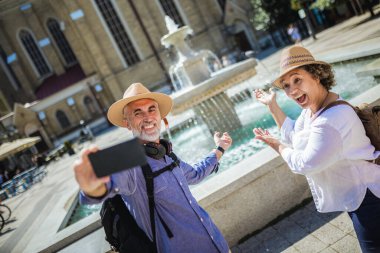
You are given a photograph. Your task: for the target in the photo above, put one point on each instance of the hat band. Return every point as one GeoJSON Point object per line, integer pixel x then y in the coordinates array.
{"type": "Point", "coordinates": [296, 61]}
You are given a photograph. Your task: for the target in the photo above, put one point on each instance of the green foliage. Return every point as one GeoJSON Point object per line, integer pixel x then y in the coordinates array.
{"type": "Point", "coordinates": [319, 4]}
{"type": "Point", "coordinates": [322, 4]}
{"type": "Point", "coordinates": [295, 5]}
{"type": "Point", "coordinates": [259, 17]}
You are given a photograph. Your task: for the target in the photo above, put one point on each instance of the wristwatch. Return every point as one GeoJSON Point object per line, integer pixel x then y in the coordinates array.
{"type": "Point", "coordinates": [220, 149]}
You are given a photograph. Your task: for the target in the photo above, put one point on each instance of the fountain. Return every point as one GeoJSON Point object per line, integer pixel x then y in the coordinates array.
{"type": "Point", "coordinates": [201, 88]}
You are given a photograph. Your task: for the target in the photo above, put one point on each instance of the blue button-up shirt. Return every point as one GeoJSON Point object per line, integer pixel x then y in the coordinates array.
{"type": "Point", "coordinates": [192, 227]}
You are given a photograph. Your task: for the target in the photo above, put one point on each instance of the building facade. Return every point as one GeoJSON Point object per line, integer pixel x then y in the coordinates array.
{"type": "Point", "coordinates": [71, 59]}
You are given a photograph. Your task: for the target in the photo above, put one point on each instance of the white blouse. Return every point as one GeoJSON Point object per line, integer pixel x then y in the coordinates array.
{"type": "Point", "coordinates": [331, 151]}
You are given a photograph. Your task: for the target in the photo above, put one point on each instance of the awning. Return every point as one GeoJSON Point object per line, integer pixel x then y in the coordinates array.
{"type": "Point", "coordinates": [11, 148]}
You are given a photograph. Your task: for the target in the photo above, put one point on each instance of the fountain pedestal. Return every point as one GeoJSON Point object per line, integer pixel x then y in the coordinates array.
{"type": "Point", "coordinates": [218, 114]}
{"type": "Point", "coordinates": [195, 69]}
{"type": "Point", "coordinates": [209, 100]}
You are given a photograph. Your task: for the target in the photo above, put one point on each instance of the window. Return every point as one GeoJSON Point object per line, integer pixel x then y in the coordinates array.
{"type": "Point", "coordinates": [118, 31]}
{"type": "Point", "coordinates": [61, 42]}
{"type": "Point", "coordinates": [34, 52]}
{"type": "Point", "coordinates": [62, 119]}
{"type": "Point", "coordinates": [171, 10]}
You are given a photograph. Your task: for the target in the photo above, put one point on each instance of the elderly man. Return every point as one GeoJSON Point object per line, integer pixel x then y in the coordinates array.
{"type": "Point", "coordinates": [176, 210]}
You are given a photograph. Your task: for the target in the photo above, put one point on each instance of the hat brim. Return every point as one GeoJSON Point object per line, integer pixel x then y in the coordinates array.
{"type": "Point", "coordinates": [115, 112]}
{"type": "Point", "coordinates": [277, 83]}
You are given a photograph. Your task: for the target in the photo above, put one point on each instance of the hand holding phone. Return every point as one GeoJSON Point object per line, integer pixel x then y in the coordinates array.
{"type": "Point", "coordinates": [117, 158]}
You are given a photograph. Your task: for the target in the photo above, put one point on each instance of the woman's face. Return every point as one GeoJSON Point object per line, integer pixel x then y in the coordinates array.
{"type": "Point", "coordinates": [305, 90]}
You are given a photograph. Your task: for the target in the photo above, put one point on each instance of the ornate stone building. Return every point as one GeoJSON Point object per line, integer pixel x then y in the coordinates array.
{"type": "Point", "coordinates": [70, 59]}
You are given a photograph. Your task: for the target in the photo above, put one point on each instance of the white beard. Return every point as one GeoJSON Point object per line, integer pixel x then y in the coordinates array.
{"type": "Point", "coordinates": [147, 137]}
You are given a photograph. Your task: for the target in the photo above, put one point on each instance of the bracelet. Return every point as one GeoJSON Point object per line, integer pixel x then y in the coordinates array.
{"type": "Point", "coordinates": [220, 149]}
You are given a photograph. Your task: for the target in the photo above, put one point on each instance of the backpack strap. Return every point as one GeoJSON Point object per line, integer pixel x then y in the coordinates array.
{"type": "Point", "coordinates": [148, 175]}
{"type": "Point", "coordinates": [174, 157]}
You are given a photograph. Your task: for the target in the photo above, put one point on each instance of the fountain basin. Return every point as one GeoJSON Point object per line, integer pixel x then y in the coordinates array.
{"type": "Point", "coordinates": [218, 83]}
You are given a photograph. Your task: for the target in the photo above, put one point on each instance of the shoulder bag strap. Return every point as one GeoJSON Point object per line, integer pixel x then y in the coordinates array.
{"type": "Point", "coordinates": [148, 175]}
{"type": "Point", "coordinates": [335, 103]}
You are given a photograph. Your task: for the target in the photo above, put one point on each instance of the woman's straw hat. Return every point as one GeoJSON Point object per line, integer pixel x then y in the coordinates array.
{"type": "Point", "coordinates": [135, 92]}
{"type": "Point", "coordinates": [292, 58]}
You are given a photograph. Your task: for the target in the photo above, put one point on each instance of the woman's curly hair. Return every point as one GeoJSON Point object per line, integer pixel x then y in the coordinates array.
{"type": "Point", "coordinates": [324, 73]}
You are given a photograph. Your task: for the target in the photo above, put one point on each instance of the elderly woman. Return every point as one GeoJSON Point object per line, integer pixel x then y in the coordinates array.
{"type": "Point", "coordinates": [331, 148]}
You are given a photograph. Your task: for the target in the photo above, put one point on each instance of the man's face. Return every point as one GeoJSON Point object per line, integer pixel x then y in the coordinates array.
{"type": "Point", "coordinates": [143, 118]}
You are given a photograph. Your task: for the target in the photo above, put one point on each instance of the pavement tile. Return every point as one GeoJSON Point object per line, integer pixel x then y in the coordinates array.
{"type": "Point", "coordinates": [307, 219]}
{"type": "Point", "coordinates": [310, 244]}
{"type": "Point", "coordinates": [291, 249]}
{"type": "Point", "coordinates": [266, 234]}
{"type": "Point", "coordinates": [328, 234]}
{"type": "Point", "coordinates": [236, 249]}
{"type": "Point", "coordinates": [343, 222]}
{"type": "Point", "coordinates": [347, 244]}
{"type": "Point", "coordinates": [250, 243]}
{"type": "Point", "coordinates": [310, 206]}
{"type": "Point", "coordinates": [328, 250]}
{"type": "Point", "coordinates": [277, 244]}
{"type": "Point", "coordinates": [291, 230]}
{"type": "Point", "coordinates": [330, 216]}
{"type": "Point", "coordinates": [267, 241]}
{"type": "Point", "coordinates": [353, 233]}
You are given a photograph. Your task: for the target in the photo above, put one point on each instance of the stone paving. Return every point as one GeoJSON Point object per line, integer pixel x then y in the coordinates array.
{"type": "Point", "coordinates": [305, 230]}
{"type": "Point", "coordinates": [38, 212]}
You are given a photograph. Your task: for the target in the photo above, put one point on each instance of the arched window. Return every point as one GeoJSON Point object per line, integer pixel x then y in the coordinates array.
{"type": "Point", "coordinates": [118, 31]}
{"type": "Point", "coordinates": [34, 52]}
{"type": "Point", "coordinates": [61, 42]}
{"type": "Point", "coordinates": [62, 119]}
{"type": "Point", "coordinates": [170, 9]}
{"type": "Point", "coordinates": [89, 103]}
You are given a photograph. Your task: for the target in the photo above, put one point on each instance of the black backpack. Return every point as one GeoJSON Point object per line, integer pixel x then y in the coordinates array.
{"type": "Point", "coordinates": [121, 229]}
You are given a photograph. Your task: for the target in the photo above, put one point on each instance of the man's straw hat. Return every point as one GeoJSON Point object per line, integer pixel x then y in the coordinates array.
{"type": "Point", "coordinates": [292, 58]}
{"type": "Point", "coordinates": [135, 92]}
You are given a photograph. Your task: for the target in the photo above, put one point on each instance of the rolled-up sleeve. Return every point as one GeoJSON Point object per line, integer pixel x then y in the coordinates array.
{"type": "Point", "coordinates": [87, 200]}
{"type": "Point", "coordinates": [323, 149]}
{"type": "Point", "coordinates": [123, 182]}
{"type": "Point", "coordinates": [196, 173]}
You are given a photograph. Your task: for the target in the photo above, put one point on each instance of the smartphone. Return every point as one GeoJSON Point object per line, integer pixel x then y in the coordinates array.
{"type": "Point", "coordinates": [117, 158]}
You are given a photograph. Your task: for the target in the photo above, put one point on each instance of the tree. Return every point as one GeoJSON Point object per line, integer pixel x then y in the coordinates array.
{"type": "Point", "coordinates": [259, 17]}
{"type": "Point", "coordinates": [280, 13]}
{"type": "Point", "coordinates": [319, 4]}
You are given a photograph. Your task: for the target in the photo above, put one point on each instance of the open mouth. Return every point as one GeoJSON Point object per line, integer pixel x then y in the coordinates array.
{"type": "Point", "coordinates": [301, 99]}
{"type": "Point", "coordinates": [149, 127]}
